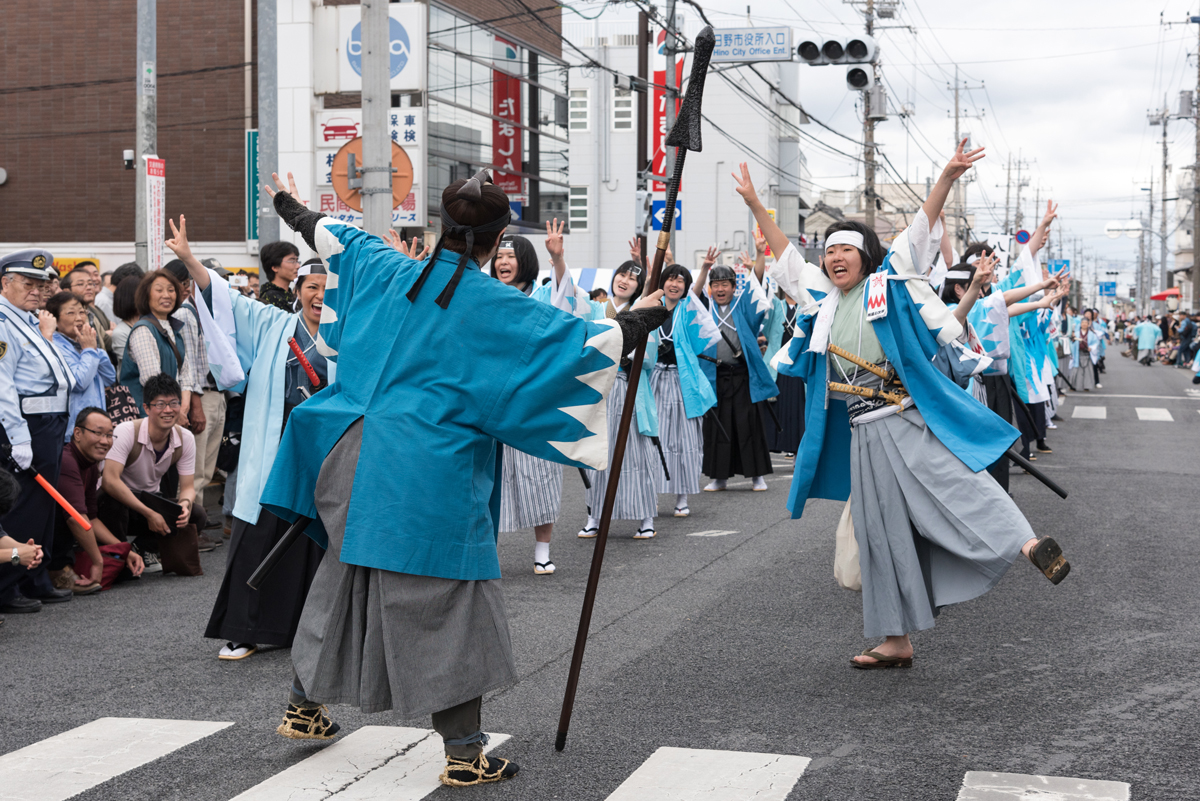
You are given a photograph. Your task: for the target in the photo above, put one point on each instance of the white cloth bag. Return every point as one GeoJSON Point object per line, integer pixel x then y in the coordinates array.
{"type": "Point", "coordinates": [845, 557]}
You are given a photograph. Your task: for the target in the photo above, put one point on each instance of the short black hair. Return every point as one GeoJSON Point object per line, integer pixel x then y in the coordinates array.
{"type": "Point", "coordinates": [9, 491]}
{"type": "Point", "coordinates": [59, 299]}
{"type": "Point", "coordinates": [79, 265]}
{"type": "Point", "coordinates": [69, 278]}
{"type": "Point", "coordinates": [630, 267]}
{"type": "Point", "coordinates": [158, 386]}
{"type": "Point", "coordinates": [272, 254]}
{"type": "Point", "coordinates": [872, 252]}
{"type": "Point", "coordinates": [980, 248]}
{"type": "Point", "coordinates": [677, 270]}
{"type": "Point", "coordinates": [130, 269]}
{"type": "Point", "coordinates": [82, 417]}
{"type": "Point", "coordinates": [597, 292]}
{"type": "Point", "coordinates": [125, 297]}
{"type": "Point", "coordinates": [527, 259]}
{"type": "Point", "coordinates": [948, 293]}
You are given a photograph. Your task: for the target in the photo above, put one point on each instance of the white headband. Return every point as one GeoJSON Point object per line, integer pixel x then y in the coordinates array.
{"type": "Point", "coordinates": [845, 238]}
{"type": "Point", "coordinates": [958, 275]}
{"type": "Point", "coordinates": [974, 257]}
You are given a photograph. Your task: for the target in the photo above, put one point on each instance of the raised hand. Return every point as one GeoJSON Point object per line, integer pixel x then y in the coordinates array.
{"type": "Point", "coordinates": [47, 325]}
{"type": "Point", "coordinates": [291, 187]}
{"type": "Point", "coordinates": [87, 335]}
{"type": "Point", "coordinates": [985, 270]}
{"type": "Point", "coordinates": [710, 258]}
{"type": "Point", "coordinates": [394, 240]}
{"type": "Point", "coordinates": [178, 243]}
{"type": "Point", "coordinates": [760, 243]}
{"type": "Point", "coordinates": [1051, 214]}
{"type": "Point", "coordinates": [960, 162]}
{"type": "Point", "coordinates": [745, 187]}
{"type": "Point", "coordinates": [554, 238]}
{"type": "Point", "coordinates": [635, 250]}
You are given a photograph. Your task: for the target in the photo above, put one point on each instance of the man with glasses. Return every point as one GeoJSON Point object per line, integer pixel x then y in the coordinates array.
{"type": "Point", "coordinates": [142, 452]}
{"type": "Point", "coordinates": [35, 387]}
{"type": "Point", "coordinates": [280, 261]}
{"type": "Point", "coordinates": [82, 456]}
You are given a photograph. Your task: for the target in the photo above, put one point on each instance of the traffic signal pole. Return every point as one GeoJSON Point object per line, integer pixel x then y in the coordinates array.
{"type": "Point", "coordinates": [869, 130]}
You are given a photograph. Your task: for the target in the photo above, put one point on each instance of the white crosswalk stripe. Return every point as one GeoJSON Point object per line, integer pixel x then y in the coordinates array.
{"type": "Point", "coordinates": [1156, 415]}
{"type": "Point", "coordinates": [980, 786]}
{"type": "Point", "coordinates": [1090, 412]}
{"type": "Point", "coordinates": [392, 762]}
{"type": "Point", "coordinates": [67, 764]}
{"type": "Point", "coordinates": [690, 774]}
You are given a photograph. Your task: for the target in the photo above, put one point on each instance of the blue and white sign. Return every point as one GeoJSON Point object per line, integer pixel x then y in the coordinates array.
{"type": "Point", "coordinates": [658, 210]}
{"type": "Point", "coordinates": [752, 44]}
{"type": "Point", "coordinates": [338, 53]}
{"type": "Point", "coordinates": [1058, 266]}
{"type": "Point", "coordinates": [398, 47]}
{"type": "Point", "coordinates": [1108, 289]}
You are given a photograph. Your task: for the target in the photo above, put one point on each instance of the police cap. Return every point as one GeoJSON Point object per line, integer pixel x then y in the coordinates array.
{"type": "Point", "coordinates": [33, 263]}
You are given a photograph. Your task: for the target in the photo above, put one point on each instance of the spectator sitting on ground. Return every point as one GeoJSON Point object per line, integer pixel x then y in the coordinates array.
{"type": "Point", "coordinates": [280, 261]}
{"type": "Point", "coordinates": [142, 453]}
{"type": "Point", "coordinates": [83, 454]}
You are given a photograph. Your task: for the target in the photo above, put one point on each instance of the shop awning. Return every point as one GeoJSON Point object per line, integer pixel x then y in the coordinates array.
{"type": "Point", "coordinates": [1173, 292]}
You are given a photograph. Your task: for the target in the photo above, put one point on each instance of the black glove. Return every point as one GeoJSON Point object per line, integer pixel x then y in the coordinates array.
{"type": "Point", "coordinates": [636, 324]}
{"type": "Point", "coordinates": [298, 217]}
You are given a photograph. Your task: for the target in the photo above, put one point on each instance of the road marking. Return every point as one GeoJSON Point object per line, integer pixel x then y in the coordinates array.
{"type": "Point", "coordinates": [981, 786]}
{"type": "Point", "coordinates": [1157, 415]}
{"type": "Point", "coordinates": [393, 762]}
{"type": "Point", "coordinates": [690, 774]}
{"type": "Point", "coordinates": [67, 764]}
{"type": "Point", "coordinates": [1090, 412]}
{"type": "Point", "coordinates": [1151, 397]}
{"type": "Point", "coordinates": [713, 533]}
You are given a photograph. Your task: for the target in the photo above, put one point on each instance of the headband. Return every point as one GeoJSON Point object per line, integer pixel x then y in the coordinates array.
{"type": "Point", "coordinates": [845, 238]}
{"type": "Point", "coordinates": [471, 190]}
{"type": "Point", "coordinates": [958, 275]}
{"type": "Point", "coordinates": [310, 267]}
{"type": "Point", "coordinates": [507, 244]}
{"type": "Point", "coordinates": [974, 257]}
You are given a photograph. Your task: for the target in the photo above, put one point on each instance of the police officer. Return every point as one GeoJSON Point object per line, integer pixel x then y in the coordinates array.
{"type": "Point", "coordinates": [35, 385]}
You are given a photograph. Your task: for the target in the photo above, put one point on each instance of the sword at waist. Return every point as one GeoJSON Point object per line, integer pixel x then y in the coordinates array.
{"type": "Point", "coordinates": [860, 361]}
{"type": "Point", "coordinates": [894, 396]}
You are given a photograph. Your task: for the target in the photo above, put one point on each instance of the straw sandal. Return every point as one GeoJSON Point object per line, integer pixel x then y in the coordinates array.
{"type": "Point", "coordinates": [588, 533]}
{"type": "Point", "coordinates": [883, 662]}
{"type": "Point", "coordinates": [543, 568]}
{"type": "Point", "coordinates": [312, 723]}
{"type": "Point", "coordinates": [682, 511]}
{"type": "Point", "coordinates": [480, 770]}
{"type": "Point", "coordinates": [645, 534]}
{"type": "Point", "coordinates": [1048, 557]}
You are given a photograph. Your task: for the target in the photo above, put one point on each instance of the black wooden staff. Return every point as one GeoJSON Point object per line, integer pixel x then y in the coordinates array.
{"type": "Point", "coordinates": [683, 137]}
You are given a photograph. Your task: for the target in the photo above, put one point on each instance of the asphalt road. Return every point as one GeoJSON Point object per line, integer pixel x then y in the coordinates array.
{"type": "Point", "coordinates": [739, 641]}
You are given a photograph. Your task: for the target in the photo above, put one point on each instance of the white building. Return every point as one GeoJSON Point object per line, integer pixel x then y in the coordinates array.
{"type": "Point", "coordinates": [603, 152]}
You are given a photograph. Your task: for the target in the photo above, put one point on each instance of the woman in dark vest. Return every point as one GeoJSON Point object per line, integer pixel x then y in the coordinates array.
{"type": "Point", "coordinates": [155, 342]}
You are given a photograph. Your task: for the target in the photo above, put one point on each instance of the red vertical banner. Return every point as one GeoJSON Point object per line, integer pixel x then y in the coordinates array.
{"type": "Point", "coordinates": [658, 130]}
{"type": "Point", "coordinates": [507, 147]}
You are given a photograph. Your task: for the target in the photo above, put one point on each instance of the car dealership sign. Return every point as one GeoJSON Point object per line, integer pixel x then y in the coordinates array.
{"type": "Point", "coordinates": [337, 47]}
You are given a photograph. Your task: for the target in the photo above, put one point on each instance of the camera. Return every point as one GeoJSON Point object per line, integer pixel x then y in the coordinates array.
{"type": "Point", "coordinates": [239, 280]}
{"type": "Point", "coordinates": [127, 155]}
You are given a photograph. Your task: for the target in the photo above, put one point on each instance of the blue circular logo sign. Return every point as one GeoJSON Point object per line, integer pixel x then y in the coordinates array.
{"type": "Point", "coordinates": [397, 47]}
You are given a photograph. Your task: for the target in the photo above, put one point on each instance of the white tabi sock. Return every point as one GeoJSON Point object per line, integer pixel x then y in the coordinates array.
{"type": "Point", "coordinates": [648, 522]}
{"type": "Point", "coordinates": [592, 522]}
{"type": "Point", "coordinates": [541, 552]}
{"type": "Point", "coordinates": [681, 500]}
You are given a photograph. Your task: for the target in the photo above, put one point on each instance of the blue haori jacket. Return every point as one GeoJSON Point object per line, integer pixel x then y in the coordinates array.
{"type": "Point", "coordinates": [694, 332]}
{"type": "Point", "coordinates": [436, 389]}
{"type": "Point", "coordinates": [750, 307]}
{"type": "Point", "coordinates": [916, 328]}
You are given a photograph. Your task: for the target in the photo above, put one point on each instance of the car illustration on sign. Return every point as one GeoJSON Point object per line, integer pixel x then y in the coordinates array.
{"type": "Point", "coordinates": [339, 128]}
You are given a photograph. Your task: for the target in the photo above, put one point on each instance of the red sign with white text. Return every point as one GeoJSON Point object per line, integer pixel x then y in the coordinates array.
{"type": "Point", "coordinates": [658, 162]}
{"type": "Point", "coordinates": [506, 136]}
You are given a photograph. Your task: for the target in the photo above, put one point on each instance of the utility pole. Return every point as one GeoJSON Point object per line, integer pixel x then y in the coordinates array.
{"type": "Point", "coordinates": [376, 100]}
{"type": "Point", "coordinates": [669, 95]}
{"type": "Point", "coordinates": [1161, 118]}
{"type": "Point", "coordinates": [869, 130]}
{"type": "Point", "coordinates": [643, 106]}
{"type": "Point", "coordinates": [146, 122]}
{"type": "Point", "coordinates": [1007, 194]}
{"type": "Point", "coordinates": [268, 115]}
{"type": "Point", "coordinates": [1018, 217]}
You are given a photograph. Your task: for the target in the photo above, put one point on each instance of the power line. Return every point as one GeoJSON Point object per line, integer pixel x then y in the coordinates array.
{"type": "Point", "coordinates": [108, 81]}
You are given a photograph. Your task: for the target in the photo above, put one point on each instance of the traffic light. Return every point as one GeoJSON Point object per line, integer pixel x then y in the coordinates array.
{"type": "Point", "coordinates": [858, 78]}
{"type": "Point", "coordinates": [818, 51]}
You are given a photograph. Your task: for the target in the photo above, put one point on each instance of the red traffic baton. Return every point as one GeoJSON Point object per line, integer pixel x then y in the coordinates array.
{"type": "Point", "coordinates": [304, 362]}
{"type": "Point", "coordinates": [63, 502]}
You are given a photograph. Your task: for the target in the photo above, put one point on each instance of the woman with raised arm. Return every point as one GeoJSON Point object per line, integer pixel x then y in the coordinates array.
{"type": "Point", "coordinates": [249, 352]}
{"type": "Point", "coordinates": [681, 384]}
{"type": "Point", "coordinates": [891, 431]}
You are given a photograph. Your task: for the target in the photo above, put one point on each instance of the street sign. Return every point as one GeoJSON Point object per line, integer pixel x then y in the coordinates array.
{"type": "Point", "coordinates": [1058, 266]}
{"type": "Point", "coordinates": [660, 208]}
{"type": "Point", "coordinates": [156, 211]}
{"type": "Point", "coordinates": [752, 44]}
{"type": "Point", "coordinates": [1108, 289]}
{"type": "Point", "coordinates": [1022, 237]}
{"type": "Point", "coordinates": [252, 190]}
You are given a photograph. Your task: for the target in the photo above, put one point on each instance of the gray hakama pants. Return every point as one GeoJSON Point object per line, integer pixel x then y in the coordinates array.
{"type": "Point", "coordinates": [381, 640]}
{"type": "Point", "coordinates": [641, 472]}
{"type": "Point", "coordinates": [1083, 376]}
{"type": "Point", "coordinates": [682, 439]}
{"type": "Point", "coordinates": [530, 491]}
{"type": "Point", "coordinates": [931, 532]}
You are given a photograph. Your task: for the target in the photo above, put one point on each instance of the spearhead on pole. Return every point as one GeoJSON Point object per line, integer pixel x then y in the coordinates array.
{"type": "Point", "coordinates": [686, 133]}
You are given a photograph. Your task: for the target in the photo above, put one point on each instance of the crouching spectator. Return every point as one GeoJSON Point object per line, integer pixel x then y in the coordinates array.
{"type": "Point", "coordinates": [79, 558]}
{"type": "Point", "coordinates": [162, 526]}
{"type": "Point", "coordinates": [12, 552]}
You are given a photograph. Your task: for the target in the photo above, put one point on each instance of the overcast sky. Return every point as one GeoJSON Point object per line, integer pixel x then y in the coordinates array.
{"type": "Point", "coordinates": [1068, 86]}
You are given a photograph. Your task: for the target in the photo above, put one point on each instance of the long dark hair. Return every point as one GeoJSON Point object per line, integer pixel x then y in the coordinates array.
{"type": "Point", "coordinates": [527, 259]}
{"type": "Point", "coordinates": [634, 268]}
{"type": "Point", "coordinates": [872, 252]}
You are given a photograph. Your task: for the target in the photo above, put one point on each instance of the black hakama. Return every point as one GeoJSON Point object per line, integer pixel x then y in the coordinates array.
{"type": "Point", "coordinates": [741, 449]}
{"type": "Point", "coordinates": [789, 408]}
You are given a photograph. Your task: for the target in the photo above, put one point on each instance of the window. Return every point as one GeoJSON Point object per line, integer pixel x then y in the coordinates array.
{"type": "Point", "coordinates": [622, 119]}
{"type": "Point", "coordinates": [579, 208]}
{"type": "Point", "coordinates": [580, 110]}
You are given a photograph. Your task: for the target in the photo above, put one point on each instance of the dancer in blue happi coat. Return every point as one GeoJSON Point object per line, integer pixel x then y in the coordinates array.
{"type": "Point", "coordinates": [909, 447]}
{"type": "Point", "coordinates": [396, 463]}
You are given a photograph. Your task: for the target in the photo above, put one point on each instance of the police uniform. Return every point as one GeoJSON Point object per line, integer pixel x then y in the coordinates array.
{"type": "Point", "coordinates": [35, 387]}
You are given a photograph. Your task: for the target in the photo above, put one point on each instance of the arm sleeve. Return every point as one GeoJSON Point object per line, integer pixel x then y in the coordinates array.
{"type": "Point", "coordinates": [234, 330]}
{"type": "Point", "coordinates": [191, 374]}
{"type": "Point", "coordinates": [925, 243]}
{"type": "Point", "coordinates": [142, 348]}
{"type": "Point", "coordinates": [799, 278]}
{"type": "Point", "coordinates": [82, 364]}
{"type": "Point", "coordinates": [70, 484]}
{"type": "Point", "coordinates": [187, 460]}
